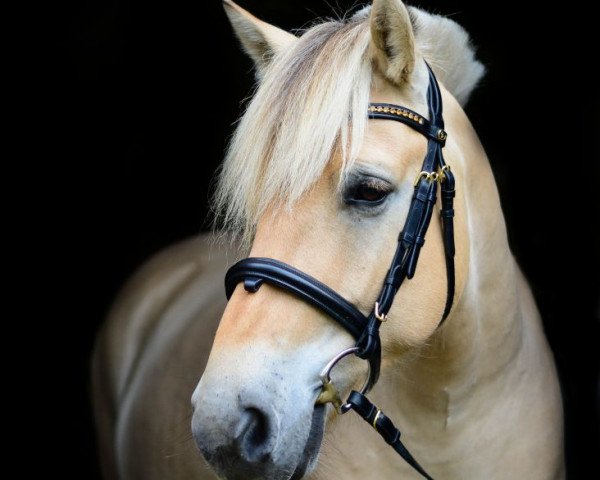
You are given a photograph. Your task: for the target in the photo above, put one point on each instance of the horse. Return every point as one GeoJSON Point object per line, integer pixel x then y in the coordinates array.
{"type": "Point", "coordinates": [310, 180]}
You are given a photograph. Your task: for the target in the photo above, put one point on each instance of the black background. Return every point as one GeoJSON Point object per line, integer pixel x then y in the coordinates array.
{"type": "Point", "coordinates": [135, 168]}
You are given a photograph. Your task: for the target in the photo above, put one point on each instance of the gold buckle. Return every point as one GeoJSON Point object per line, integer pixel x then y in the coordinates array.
{"type": "Point", "coordinates": [442, 173]}
{"type": "Point", "coordinates": [429, 176]}
{"type": "Point", "coordinates": [438, 176]}
{"type": "Point", "coordinates": [379, 316]}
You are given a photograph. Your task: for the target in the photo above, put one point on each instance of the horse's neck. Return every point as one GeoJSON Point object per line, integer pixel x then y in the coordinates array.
{"type": "Point", "coordinates": [482, 338]}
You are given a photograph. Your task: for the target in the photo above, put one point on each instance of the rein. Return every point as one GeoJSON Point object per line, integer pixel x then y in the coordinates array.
{"type": "Point", "coordinates": [365, 329]}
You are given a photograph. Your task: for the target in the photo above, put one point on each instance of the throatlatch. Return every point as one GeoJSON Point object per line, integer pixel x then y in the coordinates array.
{"type": "Point", "coordinates": [365, 329]}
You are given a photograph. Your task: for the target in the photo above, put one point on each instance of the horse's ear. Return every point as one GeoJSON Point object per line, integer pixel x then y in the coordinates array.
{"type": "Point", "coordinates": [260, 40]}
{"type": "Point", "coordinates": [392, 40]}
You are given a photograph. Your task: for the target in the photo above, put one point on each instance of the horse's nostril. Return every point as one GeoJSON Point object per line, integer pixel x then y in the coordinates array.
{"type": "Point", "coordinates": [253, 435]}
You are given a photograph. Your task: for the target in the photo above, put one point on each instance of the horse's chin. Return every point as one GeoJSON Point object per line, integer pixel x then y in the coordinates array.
{"type": "Point", "coordinates": [310, 454]}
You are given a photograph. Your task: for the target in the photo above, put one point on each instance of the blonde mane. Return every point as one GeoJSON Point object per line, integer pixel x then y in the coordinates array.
{"type": "Point", "coordinates": [310, 102]}
{"type": "Point", "coordinates": [447, 48]}
{"type": "Point", "coordinates": [299, 114]}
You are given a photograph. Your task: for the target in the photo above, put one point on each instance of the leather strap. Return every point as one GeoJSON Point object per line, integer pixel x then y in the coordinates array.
{"type": "Point", "coordinates": [254, 271]}
{"type": "Point", "coordinates": [412, 237]}
{"type": "Point", "coordinates": [448, 193]}
{"type": "Point", "coordinates": [384, 426]}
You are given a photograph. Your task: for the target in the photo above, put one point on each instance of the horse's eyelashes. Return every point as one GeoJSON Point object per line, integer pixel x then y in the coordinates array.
{"type": "Point", "coordinates": [367, 192]}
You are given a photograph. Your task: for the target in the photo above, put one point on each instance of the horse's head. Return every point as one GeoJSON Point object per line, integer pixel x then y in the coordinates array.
{"type": "Point", "coordinates": [310, 181]}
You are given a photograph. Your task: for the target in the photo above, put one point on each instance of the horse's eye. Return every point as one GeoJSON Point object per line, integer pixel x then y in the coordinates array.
{"type": "Point", "coordinates": [368, 193]}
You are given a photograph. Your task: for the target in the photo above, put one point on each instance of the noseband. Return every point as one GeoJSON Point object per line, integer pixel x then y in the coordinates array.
{"type": "Point", "coordinates": [365, 329]}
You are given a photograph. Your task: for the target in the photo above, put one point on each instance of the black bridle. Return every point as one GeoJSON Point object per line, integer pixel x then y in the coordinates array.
{"type": "Point", "coordinates": [365, 329]}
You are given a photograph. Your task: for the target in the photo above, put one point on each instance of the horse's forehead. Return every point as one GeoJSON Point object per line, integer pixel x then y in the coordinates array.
{"type": "Point", "coordinates": [392, 145]}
